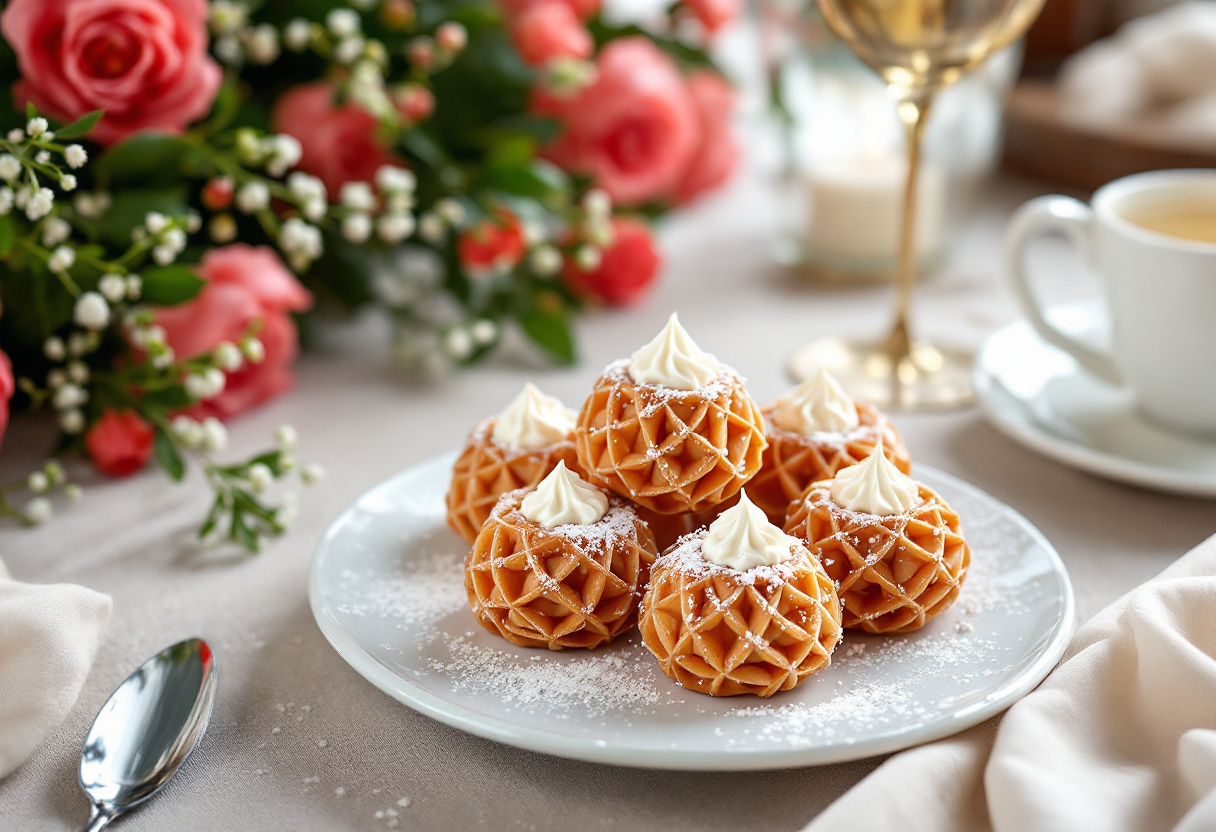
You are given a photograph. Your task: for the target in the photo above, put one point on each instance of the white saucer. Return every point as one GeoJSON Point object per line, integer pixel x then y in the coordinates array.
{"type": "Point", "coordinates": [387, 590]}
{"type": "Point", "coordinates": [1041, 397]}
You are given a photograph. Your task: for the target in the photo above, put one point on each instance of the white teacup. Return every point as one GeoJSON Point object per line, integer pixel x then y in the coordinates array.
{"type": "Point", "coordinates": [1160, 291]}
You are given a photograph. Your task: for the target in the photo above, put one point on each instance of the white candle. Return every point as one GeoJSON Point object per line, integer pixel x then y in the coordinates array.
{"type": "Point", "coordinates": [856, 207]}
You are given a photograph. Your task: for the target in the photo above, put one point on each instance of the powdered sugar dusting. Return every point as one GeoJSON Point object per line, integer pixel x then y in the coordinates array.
{"type": "Point", "coordinates": [652, 398]}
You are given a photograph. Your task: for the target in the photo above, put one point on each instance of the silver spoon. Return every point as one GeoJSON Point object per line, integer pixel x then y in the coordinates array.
{"type": "Point", "coordinates": [146, 729]}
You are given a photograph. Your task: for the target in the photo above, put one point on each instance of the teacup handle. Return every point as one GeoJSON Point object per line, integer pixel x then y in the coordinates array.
{"type": "Point", "coordinates": [1075, 219]}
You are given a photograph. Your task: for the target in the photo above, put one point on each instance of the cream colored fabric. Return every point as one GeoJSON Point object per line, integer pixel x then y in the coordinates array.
{"type": "Point", "coordinates": [134, 539]}
{"type": "Point", "coordinates": [49, 634]}
{"type": "Point", "coordinates": [1119, 738]}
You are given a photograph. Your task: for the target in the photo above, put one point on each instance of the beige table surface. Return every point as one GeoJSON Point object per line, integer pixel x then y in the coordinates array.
{"type": "Point", "coordinates": [358, 418]}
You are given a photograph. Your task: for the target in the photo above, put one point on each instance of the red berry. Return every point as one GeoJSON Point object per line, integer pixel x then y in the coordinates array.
{"type": "Point", "coordinates": [217, 194]}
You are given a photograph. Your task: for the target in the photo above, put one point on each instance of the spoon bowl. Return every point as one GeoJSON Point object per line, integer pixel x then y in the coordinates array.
{"type": "Point", "coordinates": [147, 729]}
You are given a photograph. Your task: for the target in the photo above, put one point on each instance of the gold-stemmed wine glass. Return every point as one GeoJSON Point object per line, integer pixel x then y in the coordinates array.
{"type": "Point", "coordinates": [918, 47]}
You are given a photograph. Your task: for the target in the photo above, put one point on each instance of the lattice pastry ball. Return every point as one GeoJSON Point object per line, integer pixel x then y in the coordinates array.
{"type": "Point", "coordinates": [485, 471]}
{"type": "Point", "coordinates": [572, 586]}
{"type": "Point", "coordinates": [668, 528]}
{"type": "Point", "coordinates": [893, 573]}
{"type": "Point", "coordinates": [791, 462]}
{"type": "Point", "coordinates": [726, 632]}
{"type": "Point", "coordinates": [669, 450]}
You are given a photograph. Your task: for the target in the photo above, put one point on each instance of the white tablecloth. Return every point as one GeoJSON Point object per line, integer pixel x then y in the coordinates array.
{"type": "Point", "coordinates": [133, 540]}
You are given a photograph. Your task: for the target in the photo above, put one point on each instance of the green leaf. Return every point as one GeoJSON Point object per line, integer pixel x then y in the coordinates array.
{"type": "Point", "coordinates": [170, 285]}
{"type": "Point", "coordinates": [168, 457]}
{"type": "Point", "coordinates": [80, 127]}
{"type": "Point", "coordinates": [551, 332]}
{"type": "Point", "coordinates": [30, 110]}
{"type": "Point", "coordinates": [130, 207]}
{"type": "Point", "coordinates": [8, 235]}
{"type": "Point", "coordinates": [171, 398]}
{"type": "Point", "coordinates": [144, 158]}
{"type": "Point", "coordinates": [537, 179]}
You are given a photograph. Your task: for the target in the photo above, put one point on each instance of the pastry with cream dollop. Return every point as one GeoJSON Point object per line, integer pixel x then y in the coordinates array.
{"type": "Point", "coordinates": [515, 449]}
{"type": "Point", "coordinates": [813, 431]}
{"type": "Point", "coordinates": [670, 428]}
{"type": "Point", "coordinates": [892, 545]}
{"type": "Point", "coordinates": [562, 564]}
{"type": "Point", "coordinates": [740, 607]}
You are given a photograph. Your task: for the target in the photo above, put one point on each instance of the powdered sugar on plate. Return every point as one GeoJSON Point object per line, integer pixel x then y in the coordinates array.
{"type": "Point", "coordinates": [391, 583]}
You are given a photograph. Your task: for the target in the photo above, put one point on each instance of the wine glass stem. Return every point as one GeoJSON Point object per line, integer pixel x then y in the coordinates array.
{"type": "Point", "coordinates": [914, 113]}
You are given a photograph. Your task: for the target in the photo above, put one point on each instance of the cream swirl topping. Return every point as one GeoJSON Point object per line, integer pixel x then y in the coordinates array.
{"type": "Point", "coordinates": [817, 405]}
{"type": "Point", "coordinates": [875, 486]}
{"type": "Point", "coordinates": [532, 420]}
{"type": "Point", "coordinates": [742, 538]}
{"type": "Point", "coordinates": [673, 360]}
{"type": "Point", "coordinates": [563, 498]}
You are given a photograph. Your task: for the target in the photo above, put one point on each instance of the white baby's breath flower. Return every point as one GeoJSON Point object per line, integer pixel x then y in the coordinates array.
{"type": "Point", "coordinates": [394, 227]}
{"type": "Point", "coordinates": [458, 343]}
{"type": "Point", "coordinates": [54, 349]}
{"type": "Point", "coordinates": [432, 228]}
{"type": "Point", "coordinates": [394, 179]}
{"type": "Point", "coordinates": [215, 435]}
{"type": "Point", "coordinates": [67, 182]}
{"type": "Point", "coordinates": [285, 152]}
{"type": "Point", "coordinates": [164, 255]}
{"type": "Point", "coordinates": [39, 203]}
{"type": "Point", "coordinates": [187, 430]}
{"type": "Point", "coordinates": [227, 16]}
{"type": "Point", "coordinates": [56, 379]}
{"type": "Point", "coordinates": [38, 511]}
{"type": "Point", "coordinates": [255, 350]}
{"type": "Point", "coordinates": [597, 203]}
{"type": "Point", "coordinates": [16, 135]}
{"type": "Point", "coordinates": [546, 260]}
{"type": "Point", "coordinates": [252, 197]}
{"type": "Point", "coordinates": [155, 222]}
{"type": "Point", "coordinates": [222, 228]}
{"type": "Point", "coordinates": [260, 477]}
{"type": "Point", "coordinates": [6, 200]}
{"type": "Point", "coordinates": [286, 437]}
{"type": "Point", "coordinates": [451, 210]}
{"type": "Point", "coordinates": [262, 43]}
{"type": "Point", "coordinates": [135, 285]}
{"type": "Point", "coordinates": [297, 34]}
{"type": "Point", "coordinates": [358, 196]}
{"type": "Point", "coordinates": [79, 344]}
{"type": "Point", "coordinates": [38, 482]}
{"type": "Point", "coordinates": [89, 206]}
{"type": "Point", "coordinates": [72, 491]}
{"type": "Point", "coordinates": [342, 22]}
{"type": "Point", "coordinates": [300, 241]}
{"type": "Point", "coordinates": [36, 126]}
{"type": "Point", "coordinates": [69, 395]}
{"type": "Point", "coordinates": [228, 356]}
{"type": "Point", "coordinates": [484, 332]}
{"type": "Point", "coordinates": [304, 186]}
{"type": "Point", "coordinates": [228, 49]}
{"type": "Point", "coordinates": [78, 372]}
{"type": "Point", "coordinates": [75, 155]}
{"type": "Point", "coordinates": [91, 311]}
{"type": "Point", "coordinates": [356, 228]}
{"type": "Point", "coordinates": [42, 157]}
{"type": "Point", "coordinates": [312, 473]}
{"type": "Point", "coordinates": [113, 287]}
{"type": "Point", "coordinates": [349, 49]}
{"type": "Point", "coordinates": [10, 167]}
{"type": "Point", "coordinates": [55, 230]}
{"type": "Point", "coordinates": [72, 421]}
{"type": "Point", "coordinates": [588, 258]}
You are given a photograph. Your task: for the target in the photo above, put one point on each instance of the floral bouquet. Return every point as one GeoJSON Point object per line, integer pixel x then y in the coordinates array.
{"type": "Point", "coordinates": [181, 181]}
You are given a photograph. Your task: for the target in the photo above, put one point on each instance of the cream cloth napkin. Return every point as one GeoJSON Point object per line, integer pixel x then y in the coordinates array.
{"type": "Point", "coordinates": [49, 634]}
{"type": "Point", "coordinates": [1121, 737]}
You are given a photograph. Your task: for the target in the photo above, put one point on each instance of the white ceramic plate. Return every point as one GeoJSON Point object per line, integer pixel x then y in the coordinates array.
{"type": "Point", "coordinates": [387, 590]}
{"type": "Point", "coordinates": [1039, 396]}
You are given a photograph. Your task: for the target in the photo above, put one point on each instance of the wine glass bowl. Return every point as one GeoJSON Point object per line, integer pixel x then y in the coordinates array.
{"type": "Point", "coordinates": [918, 47]}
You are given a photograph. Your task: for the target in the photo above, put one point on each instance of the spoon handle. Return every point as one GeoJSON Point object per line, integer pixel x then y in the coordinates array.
{"type": "Point", "coordinates": [100, 817]}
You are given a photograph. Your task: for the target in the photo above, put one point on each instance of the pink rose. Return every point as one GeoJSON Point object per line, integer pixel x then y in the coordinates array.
{"type": "Point", "coordinates": [244, 284]}
{"type": "Point", "coordinates": [550, 30]}
{"type": "Point", "coordinates": [119, 443]}
{"type": "Point", "coordinates": [634, 130]}
{"type": "Point", "coordinates": [627, 270]}
{"type": "Point", "coordinates": [144, 62]}
{"type": "Point", "coordinates": [338, 144]}
{"type": "Point", "coordinates": [583, 9]}
{"type": "Point", "coordinates": [7, 388]}
{"type": "Point", "coordinates": [714, 14]}
{"type": "Point", "coordinates": [717, 151]}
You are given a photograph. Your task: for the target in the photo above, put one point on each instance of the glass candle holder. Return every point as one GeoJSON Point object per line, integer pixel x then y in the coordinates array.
{"type": "Point", "coordinates": [846, 174]}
